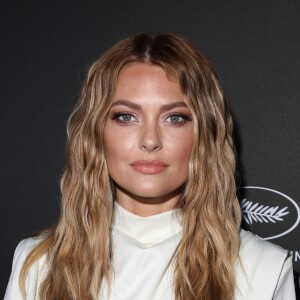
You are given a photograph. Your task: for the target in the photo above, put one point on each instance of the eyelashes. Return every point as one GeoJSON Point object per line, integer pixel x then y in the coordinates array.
{"type": "Point", "coordinates": [123, 117]}
{"type": "Point", "coordinates": [178, 118]}
{"type": "Point", "coordinates": [175, 119]}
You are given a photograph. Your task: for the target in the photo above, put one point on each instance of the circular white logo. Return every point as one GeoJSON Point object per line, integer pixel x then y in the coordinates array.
{"type": "Point", "coordinates": [269, 213]}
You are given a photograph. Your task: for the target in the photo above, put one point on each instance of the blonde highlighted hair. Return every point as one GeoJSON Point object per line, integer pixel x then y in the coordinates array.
{"type": "Point", "coordinates": [78, 248]}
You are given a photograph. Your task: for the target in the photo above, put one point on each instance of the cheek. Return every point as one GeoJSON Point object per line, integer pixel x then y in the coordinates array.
{"type": "Point", "coordinates": [113, 157]}
{"type": "Point", "coordinates": [118, 146]}
{"type": "Point", "coordinates": [185, 158]}
{"type": "Point", "coordinates": [180, 150]}
{"type": "Point", "coordinates": [112, 150]}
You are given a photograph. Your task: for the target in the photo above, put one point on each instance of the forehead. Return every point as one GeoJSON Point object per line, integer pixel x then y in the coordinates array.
{"type": "Point", "coordinates": [143, 80]}
{"type": "Point", "coordinates": [136, 69]}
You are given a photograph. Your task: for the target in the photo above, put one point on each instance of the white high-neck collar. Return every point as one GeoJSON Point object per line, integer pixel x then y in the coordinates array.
{"type": "Point", "coordinates": [147, 230]}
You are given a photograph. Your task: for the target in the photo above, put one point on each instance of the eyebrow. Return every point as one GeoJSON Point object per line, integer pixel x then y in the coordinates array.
{"type": "Point", "coordinates": [164, 107]}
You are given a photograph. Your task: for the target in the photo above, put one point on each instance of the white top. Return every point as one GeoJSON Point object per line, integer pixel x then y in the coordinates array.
{"type": "Point", "coordinates": [143, 248]}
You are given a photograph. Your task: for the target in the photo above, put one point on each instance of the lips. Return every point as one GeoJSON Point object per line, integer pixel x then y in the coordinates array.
{"type": "Point", "coordinates": [149, 166]}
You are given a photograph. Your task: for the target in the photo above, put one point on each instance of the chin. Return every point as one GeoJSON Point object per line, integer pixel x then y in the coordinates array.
{"type": "Point", "coordinates": [149, 192]}
{"type": "Point", "coordinates": [153, 191]}
{"type": "Point", "coordinates": [149, 188]}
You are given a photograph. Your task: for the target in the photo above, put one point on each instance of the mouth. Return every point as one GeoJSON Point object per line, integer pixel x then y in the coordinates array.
{"type": "Point", "coordinates": [149, 167]}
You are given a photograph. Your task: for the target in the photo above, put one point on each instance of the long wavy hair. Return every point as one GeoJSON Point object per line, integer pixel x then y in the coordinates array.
{"type": "Point", "coordinates": [78, 248]}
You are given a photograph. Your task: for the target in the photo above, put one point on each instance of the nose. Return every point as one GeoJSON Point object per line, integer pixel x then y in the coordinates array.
{"type": "Point", "coordinates": [150, 138]}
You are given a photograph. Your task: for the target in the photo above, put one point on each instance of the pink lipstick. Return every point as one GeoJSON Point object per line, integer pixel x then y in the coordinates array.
{"type": "Point", "coordinates": [149, 167]}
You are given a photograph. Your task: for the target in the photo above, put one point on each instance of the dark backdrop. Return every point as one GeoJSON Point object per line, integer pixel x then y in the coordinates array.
{"type": "Point", "coordinates": [46, 47]}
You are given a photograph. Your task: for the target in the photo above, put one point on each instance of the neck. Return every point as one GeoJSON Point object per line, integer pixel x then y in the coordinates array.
{"type": "Point", "coordinates": [147, 206]}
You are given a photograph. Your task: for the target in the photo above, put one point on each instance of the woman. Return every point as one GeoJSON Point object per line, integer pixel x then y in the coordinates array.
{"type": "Point", "coordinates": [149, 208]}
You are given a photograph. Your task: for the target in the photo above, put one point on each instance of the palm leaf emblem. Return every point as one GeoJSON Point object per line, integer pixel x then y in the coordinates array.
{"type": "Point", "coordinates": [254, 212]}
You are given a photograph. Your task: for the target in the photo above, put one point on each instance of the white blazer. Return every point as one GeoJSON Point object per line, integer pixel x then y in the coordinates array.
{"type": "Point", "coordinates": [266, 273]}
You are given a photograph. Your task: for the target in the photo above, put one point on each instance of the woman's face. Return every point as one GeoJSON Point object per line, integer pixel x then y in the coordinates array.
{"type": "Point", "coordinates": [148, 137]}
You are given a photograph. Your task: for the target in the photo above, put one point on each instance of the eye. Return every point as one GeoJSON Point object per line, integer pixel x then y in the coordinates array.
{"type": "Point", "coordinates": [177, 119]}
{"type": "Point", "coordinates": [123, 117]}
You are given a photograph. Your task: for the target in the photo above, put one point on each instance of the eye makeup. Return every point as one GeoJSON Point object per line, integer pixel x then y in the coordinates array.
{"type": "Point", "coordinates": [173, 119]}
